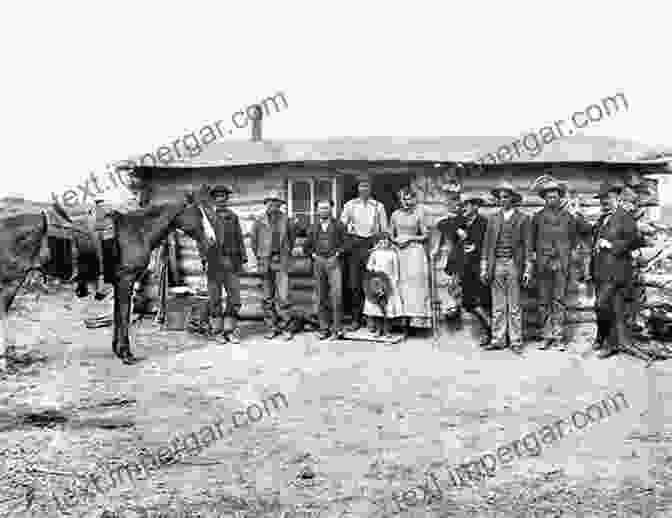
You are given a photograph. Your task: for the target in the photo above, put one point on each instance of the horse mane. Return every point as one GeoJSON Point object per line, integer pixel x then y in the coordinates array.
{"type": "Point", "coordinates": [141, 214]}
{"type": "Point", "coordinates": [60, 211]}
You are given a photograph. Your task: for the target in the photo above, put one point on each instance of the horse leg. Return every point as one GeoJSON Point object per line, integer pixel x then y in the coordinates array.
{"type": "Point", "coordinates": [122, 318]}
{"type": "Point", "coordinates": [3, 335]}
{"type": "Point", "coordinates": [116, 314]}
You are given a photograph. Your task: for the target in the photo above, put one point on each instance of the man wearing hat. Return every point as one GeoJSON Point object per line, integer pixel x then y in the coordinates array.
{"type": "Point", "coordinates": [554, 234]}
{"type": "Point", "coordinates": [363, 218]}
{"type": "Point", "coordinates": [614, 238]}
{"type": "Point", "coordinates": [636, 297]}
{"type": "Point", "coordinates": [225, 263]}
{"type": "Point", "coordinates": [272, 243]}
{"type": "Point", "coordinates": [466, 233]}
{"type": "Point", "coordinates": [504, 263]}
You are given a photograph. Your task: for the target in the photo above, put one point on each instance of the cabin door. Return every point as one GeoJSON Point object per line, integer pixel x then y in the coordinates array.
{"type": "Point", "coordinates": [385, 189]}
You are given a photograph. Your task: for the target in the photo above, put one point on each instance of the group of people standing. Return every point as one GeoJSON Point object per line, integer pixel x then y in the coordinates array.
{"type": "Point", "coordinates": [488, 263]}
{"type": "Point", "coordinates": [517, 251]}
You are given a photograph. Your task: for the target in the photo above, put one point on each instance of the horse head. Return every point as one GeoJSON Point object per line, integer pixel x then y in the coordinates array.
{"type": "Point", "coordinates": [197, 218]}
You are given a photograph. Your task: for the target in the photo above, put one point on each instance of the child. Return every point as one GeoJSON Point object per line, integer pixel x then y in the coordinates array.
{"type": "Point", "coordinates": [384, 259]}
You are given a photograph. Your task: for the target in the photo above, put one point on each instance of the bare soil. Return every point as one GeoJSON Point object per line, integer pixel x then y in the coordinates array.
{"type": "Point", "coordinates": [365, 419]}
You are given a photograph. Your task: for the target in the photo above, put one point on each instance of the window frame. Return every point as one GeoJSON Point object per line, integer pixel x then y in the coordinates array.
{"type": "Point", "coordinates": [312, 182]}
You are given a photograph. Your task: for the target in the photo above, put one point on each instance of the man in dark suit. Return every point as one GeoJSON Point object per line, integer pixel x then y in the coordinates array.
{"type": "Point", "coordinates": [614, 238]}
{"type": "Point", "coordinates": [225, 263]}
{"type": "Point", "coordinates": [326, 239]}
{"type": "Point", "coordinates": [272, 244]}
{"type": "Point", "coordinates": [504, 263]}
{"type": "Point", "coordinates": [469, 233]}
{"type": "Point", "coordinates": [554, 234]}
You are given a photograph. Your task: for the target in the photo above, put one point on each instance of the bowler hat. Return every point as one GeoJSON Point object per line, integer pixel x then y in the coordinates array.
{"type": "Point", "coordinates": [608, 187]}
{"type": "Point", "coordinates": [275, 195]}
{"type": "Point", "coordinates": [506, 186]}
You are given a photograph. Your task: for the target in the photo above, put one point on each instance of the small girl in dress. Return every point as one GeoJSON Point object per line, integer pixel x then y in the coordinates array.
{"type": "Point", "coordinates": [384, 259]}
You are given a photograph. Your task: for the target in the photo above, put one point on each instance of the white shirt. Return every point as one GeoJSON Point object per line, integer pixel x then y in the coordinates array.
{"type": "Point", "coordinates": [364, 218]}
{"type": "Point", "coordinates": [507, 214]}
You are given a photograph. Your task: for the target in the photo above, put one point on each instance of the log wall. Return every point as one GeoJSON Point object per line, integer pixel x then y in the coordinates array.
{"type": "Point", "coordinates": [251, 186]}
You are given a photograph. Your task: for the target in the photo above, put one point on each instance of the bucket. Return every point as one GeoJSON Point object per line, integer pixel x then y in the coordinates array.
{"type": "Point", "coordinates": [199, 309]}
{"type": "Point", "coordinates": [176, 313]}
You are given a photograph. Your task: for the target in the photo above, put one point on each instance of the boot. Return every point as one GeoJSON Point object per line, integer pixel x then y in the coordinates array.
{"type": "Point", "coordinates": [607, 352]}
{"type": "Point", "coordinates": [484, 321]}
{"type": "Point", "coordinates": [387, 327]}
{"type": "Point", "coordinates": [127, 356]}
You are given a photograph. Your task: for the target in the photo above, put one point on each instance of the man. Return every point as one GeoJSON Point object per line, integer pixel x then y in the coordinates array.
{"type": "Point", "coordinates": [326, 239]}
{"type": "Point", "coordinates": [465, 230]}
{"type": "Point", "coordinates": [614, 238]}
{"type": "Point", "coordinates": [504, 261]}
{"type": "Point", "coordinates": [554, 234]}
{"type": "Point", "coordinates": [272, 243]}
{"type": "Point", "coordinates": [225, 263]}
{"type": "Point", "coordinates": [448, 259]}
{"type": "Point", "coordinates": [476, 296]}
{"type": "Point", "coordinates": [637, 296]}
{"type": "Point", "coordinates": [363, 218]}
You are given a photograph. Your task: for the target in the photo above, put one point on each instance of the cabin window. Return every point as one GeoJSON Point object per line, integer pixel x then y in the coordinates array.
{"type": "Point", "coordinates": [303, 195]}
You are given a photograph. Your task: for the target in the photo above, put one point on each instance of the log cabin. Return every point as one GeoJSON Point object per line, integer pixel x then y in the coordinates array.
{"type": "Point", "coordinates": [310, 170]}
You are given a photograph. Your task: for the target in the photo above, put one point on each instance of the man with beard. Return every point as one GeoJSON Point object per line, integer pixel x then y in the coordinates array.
{"type": "Point", "coordinates": [466, 231]}
{"type": "Point", "coordinates": [637, 294]}
{"type": "Point", "coordinates": [614, 238]}
{"type": "Point", "coordinates": [272, 243]}
{"type": "Point", "coordinates": [554, 234]}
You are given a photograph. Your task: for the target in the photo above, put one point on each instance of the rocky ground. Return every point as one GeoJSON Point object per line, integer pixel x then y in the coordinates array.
{"type": "Point", "coordinates": [364, 420]}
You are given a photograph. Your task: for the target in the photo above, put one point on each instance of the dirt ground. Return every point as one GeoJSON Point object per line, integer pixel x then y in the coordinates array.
{"type": "Point", "coordinates": [367, 419]}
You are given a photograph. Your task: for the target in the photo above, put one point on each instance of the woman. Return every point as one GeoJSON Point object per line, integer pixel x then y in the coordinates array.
{"type": "Point", "coordinates": [409, 233]}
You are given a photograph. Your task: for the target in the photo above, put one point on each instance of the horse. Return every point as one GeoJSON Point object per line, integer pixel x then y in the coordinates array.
{"type": "Point", "coordinates": [24, 247]}
{"type": "Point", "coordinates": [137, 234]}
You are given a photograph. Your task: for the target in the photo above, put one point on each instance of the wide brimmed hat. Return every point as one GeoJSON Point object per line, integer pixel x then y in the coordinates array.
{"type": "Point", "coordinates": [452, 188]}
{"type": "Point", "coordinates": [476, 200]}
{"type": "Point", "coordinates": [506, 186]}
{"type": "Point", "coordinates": [546, 184]}
{"type": "Point", "coordinates": [275, 196]}
{"type": "Point", "coordinates": [222, 189]}
{"type": "Point", "coordinates": [608, 187]}
{"type": "Point", "coordinates": [377, 288]}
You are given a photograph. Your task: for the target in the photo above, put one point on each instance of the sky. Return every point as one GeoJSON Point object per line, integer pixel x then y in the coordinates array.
{"type": "Point", "coordinates": [87, 83]}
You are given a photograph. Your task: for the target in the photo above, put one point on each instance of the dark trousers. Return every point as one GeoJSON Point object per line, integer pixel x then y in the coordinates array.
{"type": "Point", "coordinates": [474, 293]}
{"type": "Point", "coordinates": [356, 260]}
{"type": "Point", "coordinates": [610, 313]}
{"type": "Point", "coordinates": [277, 308]}
{"type": "Point", "coordinates": [329, 280]}
{"type": "Point", "coordinates": [552, 286]}
{"type": "Point", "coordinates": [231, 283]}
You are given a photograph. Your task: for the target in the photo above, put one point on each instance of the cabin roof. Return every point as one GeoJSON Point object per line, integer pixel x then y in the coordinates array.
{"type": "Point", "coordinates": [574, 149]}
